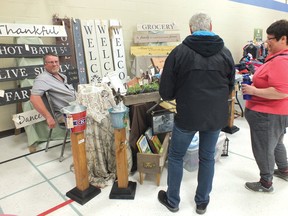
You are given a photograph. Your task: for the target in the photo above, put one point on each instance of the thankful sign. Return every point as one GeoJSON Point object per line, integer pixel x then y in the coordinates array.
{"type": "Point", "coordinates": [16, 30]}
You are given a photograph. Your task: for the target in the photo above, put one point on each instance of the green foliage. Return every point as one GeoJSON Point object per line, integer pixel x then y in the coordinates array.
{"type": "Point", "coordinates": [137, 89]}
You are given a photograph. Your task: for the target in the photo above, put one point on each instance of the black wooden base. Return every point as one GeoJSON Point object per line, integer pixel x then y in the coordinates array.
{"type": "Point", "coordinates": [123, 193]}
{"type": "Point", "coordinates": [82, 197]}
{"type": "Point", "coordinates": [230, 130]}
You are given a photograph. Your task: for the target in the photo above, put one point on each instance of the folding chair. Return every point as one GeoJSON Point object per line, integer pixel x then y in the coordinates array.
{"type": "Point", "coordinates": [47, 101]}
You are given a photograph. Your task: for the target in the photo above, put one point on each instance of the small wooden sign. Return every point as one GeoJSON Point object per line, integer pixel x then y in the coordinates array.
{"type": "Point", "coordinates": [72, 76]}
{"type": "Point", "coordinates": [27, 118]}
{"type": "Point", "coordinates": [156, 38]}
{"type": "Point", "coordinates": [151, 50]}
{"type": "Point", "coordinates": [31, 50]}
{"type": "Point", "coordinates": [10, 96]}
{"type": "Point", "coordinates": [25, 72]}
{"type": "Point", "coordinates": [31, 30]}
{"type": "Point", "coordinates": [157, 27]}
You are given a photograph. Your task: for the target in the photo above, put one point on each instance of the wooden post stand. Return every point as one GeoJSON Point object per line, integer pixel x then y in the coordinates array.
{"type": "Point", "coordinates": [83, 191]}
{"type": "Point", "coordinates": [231, 128]}
{"type": "Point", "coordinates": [122, 189]}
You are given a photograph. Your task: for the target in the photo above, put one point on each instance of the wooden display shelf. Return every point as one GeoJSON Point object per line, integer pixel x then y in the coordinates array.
{"type": "Point", "coordinates": [141, 98]}
{"type": "Point", "coordinates": [153, 163]}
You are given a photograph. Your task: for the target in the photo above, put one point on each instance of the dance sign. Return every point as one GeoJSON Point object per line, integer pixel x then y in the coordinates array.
{"type": "Point", "coordinates": [27, 118]}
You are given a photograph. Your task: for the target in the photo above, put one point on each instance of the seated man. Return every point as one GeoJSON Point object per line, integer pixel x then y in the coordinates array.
{"type": "Point", "coordinates": [60, 91]}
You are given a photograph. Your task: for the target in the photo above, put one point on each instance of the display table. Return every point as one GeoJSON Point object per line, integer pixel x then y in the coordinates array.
{"type": "Point", "coordinates": [139, 119]}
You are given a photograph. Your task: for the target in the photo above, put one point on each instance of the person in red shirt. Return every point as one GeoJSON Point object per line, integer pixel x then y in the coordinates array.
{"type": "Point", "coordinates": [267, 111]}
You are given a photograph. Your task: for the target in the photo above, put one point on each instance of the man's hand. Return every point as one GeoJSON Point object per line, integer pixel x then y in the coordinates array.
{"type": "Point", "coordinates": [51, 122]}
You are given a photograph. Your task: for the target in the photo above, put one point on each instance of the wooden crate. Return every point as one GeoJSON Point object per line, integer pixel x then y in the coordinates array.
{"type": "Point", "coordinates": [153, 163]}
{"type": "Point", "coordinates": [141, 98]}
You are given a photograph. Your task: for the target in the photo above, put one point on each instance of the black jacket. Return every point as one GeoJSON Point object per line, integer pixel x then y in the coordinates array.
{"type": "Point", "coordinates": [199, 74]}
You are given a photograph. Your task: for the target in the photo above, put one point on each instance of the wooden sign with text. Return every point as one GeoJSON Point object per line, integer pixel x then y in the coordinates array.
{"type": "Point", "coordinates": [27, 118]}
{"type": "Point", "coordinates": [72, 76]}
{"type": "Point", "coordinates": [118, 49]}
{"type": "Point", "coordinates": [79, 51]}
{"type": "Point", "coordinates": [90, 45]}
{"type": "Point", "coordinates": [31, 50]}
{"type": "Point", "coordinates": [157, 27]}
{"type": "Point", "coordinates": [24, 30]}
{"type": "Point", "coordinates": [151, 50]}
{"type": "Point", "coordinates": [26, 72]}
{"type": "Point", "coordinates": [10, 96]}
{"type": "Point", "coordinates": [156, 38]}
{"type": "Point", "coordinates": [104, 46]}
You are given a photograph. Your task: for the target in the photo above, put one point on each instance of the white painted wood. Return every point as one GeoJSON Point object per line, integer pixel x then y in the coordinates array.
{"type": "Point", "coordinates": [31, 30]}
{"type": "Point", "coordinates": [156, 38]}
{"type": "Point", "coordinates": [118, 49]}
{"type": "Point", "coordinates": [104, 46]}
{"type": "Point", "coordinates": [157, 27]}
{"type": "Point", "coordinates": [91, 51]}
{"type": "Point", "coordinates": [27, 118]}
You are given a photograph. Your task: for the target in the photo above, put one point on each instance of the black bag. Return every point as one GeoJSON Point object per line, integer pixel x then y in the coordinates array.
{"type": "Point", "coordinates": [162, 121]}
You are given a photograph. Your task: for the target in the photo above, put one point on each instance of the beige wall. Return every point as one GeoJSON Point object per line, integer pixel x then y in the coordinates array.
{"type": "Point", "coordinates": [234, 22]}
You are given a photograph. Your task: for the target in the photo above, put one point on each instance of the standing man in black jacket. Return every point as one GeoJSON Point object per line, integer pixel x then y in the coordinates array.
{"type": "Point", "coordinates": [199, 74]}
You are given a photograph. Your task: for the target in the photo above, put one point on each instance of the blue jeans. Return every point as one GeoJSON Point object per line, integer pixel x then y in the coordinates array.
{"type": "Point", "coordinates": [180, 142]}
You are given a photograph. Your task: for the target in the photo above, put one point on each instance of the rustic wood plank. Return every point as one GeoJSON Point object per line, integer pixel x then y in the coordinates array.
{"type": "Point", "coordinates": [92, 58]}
{"type": "Point", "coordinates": [31, 30]}
{"type": "Point", "coordinates": [157, 27]}
{"type": "Point", "coordinates": [150, 50]}
{"type": "Point", "coordinates": [156, 38]}
{"type": "Point", "coordinates": [80, 161]}
{"type": "Point", "coordinates": [118, 49]}
{"type": "Point", "coordinates": [26, 72]}
{"type": "Point", "coordinates": [104, 46]}
{"type": "Point", "coordinates": [10, 96]}
{"type": "Point", "coordinates": [31, 50]}
{"type": "Point", "coordinates": [121, 157]}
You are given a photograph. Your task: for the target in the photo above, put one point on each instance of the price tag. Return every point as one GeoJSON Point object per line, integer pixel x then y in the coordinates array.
{"type": "Point", "coordinates": [69, 121]}
{"type": "Point", "coordinates": [81, 141]}
{"type": "Point", "coordinates": [2, 93]}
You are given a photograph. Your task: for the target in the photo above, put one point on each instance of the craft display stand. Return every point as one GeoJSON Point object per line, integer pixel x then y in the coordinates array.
{"type": "Point", "coordinates": [83, 192]}
{"type": "Point", "coordinates": [231, 128]}
{"type": "Point", "coordinates": [122, 188]}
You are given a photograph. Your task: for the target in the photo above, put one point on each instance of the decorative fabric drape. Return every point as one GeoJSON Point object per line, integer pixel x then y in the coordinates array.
{"type": "Point", "coordinates": [100, 144]}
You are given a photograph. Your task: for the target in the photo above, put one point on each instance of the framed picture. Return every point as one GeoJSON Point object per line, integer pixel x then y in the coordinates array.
{"type": "Point", "coordinates": [143, 145]}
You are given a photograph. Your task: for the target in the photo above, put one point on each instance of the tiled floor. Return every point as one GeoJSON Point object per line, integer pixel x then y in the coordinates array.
{"type": "Point", "coordinates": [37, 183]}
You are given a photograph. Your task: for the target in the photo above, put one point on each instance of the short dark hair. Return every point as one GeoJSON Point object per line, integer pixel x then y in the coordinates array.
{"type": "Point", "coordinates": [49, 54]}
{"type": "Point", "coordinates": [278, 29]}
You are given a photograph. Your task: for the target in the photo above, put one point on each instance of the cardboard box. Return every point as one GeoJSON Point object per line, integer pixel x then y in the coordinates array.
{"type": "Point", "coordinates": [153, 163]}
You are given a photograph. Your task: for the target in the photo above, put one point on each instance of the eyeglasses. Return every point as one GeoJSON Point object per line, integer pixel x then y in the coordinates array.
{"type": "Point", "coordinates": [271, 38]}
{"type": "Point", "coordinates": [52, 62]}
